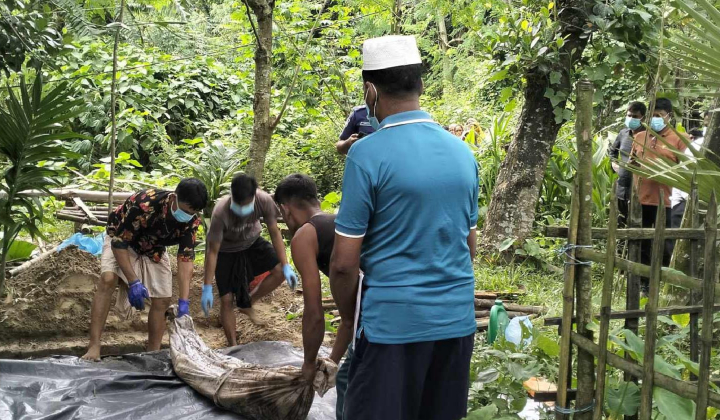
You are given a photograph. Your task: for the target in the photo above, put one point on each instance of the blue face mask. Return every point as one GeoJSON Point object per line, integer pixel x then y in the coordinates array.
{"type": "Point", "coordinates": [374, 122]}
{"type": "Point", "coordinates": [180, 215]}
{"type": "Point", "coordinates": [242, 211]}
{"type": "Point", "coordinates": [657, 124]}
{"type": "Point", "coordinates": [632, 123]}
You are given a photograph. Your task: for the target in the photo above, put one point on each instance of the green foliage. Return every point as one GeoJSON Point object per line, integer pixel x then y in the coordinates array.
{"type": "Point", "coordinates": [20, 250]}
{"type": "Point", "coordinates": [216, 168]}
{"type": "Point", "coordinates": [31, 132]}
{"type": "Point", "coordinates": [26, 29]}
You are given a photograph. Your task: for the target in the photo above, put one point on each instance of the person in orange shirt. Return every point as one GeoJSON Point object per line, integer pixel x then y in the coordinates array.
{"type": "Point", "coordinates": [648, 147]}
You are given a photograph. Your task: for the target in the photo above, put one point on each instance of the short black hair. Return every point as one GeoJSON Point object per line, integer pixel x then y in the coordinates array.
{"type": "Point", "coordinates": [398, 81]}
{"type": "Point", "coordinates": [192, 192]}
{"type": "Point", "coordinates": [663, 104]}
{"type": "Point", "coordinates": [296, 187]}
{"type": "Point", "coordinates": [636, 106]}
{"type": "Point", "coordinates": [243, 187]}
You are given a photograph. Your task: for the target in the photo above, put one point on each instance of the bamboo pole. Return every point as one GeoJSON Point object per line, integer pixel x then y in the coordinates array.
{"type": "Point", "coordinates": [629, 233]}
{"type": "Point", "coordinates": [658, 247]}
{"type": "Point", "coordinates": [708, 292]}
{"type": "Point", "coordinates": [568, 301]}
{"type": "Point", "coordinates": [694, 212]}
{"type": "Point", "coordinates": [583, 279]}
{"type": "Point", "coordinates": [682, 388]}
{"type": "Point", "coordinates": [632, 290]}
{"type": "Point", "coordinates": [640, 313]}
{"type": "Point", "coordinates": [671, 277]}
{"type": "Point", "coordinates": [606, 306]}
{"type": "Point", "coordinates": [113, 105]}
{"type": "Point", "coordinates": [486, 303]}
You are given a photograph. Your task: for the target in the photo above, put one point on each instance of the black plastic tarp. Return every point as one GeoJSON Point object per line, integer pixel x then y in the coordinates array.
{"type": "Point", "coordinates": [134, 386]}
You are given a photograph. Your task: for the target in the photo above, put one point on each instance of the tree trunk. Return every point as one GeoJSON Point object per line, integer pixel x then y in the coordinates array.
{"type": "Point", "coordinates": [512, 207]}
{"type": "Point", "coordinates": [514, 200]}
{"type": "Point", "coordinates": [262, 124]}
{"type": "Point", "coordinates": [3, 264]}
{"type": "Point", "coordinates": [395, 27]}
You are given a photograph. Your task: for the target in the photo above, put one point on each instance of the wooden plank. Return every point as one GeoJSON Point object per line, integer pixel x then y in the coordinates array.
{"type": "Point", "coordinates": [606, 306]}
{"type": "Point", "coordinates": [79, 202]}
{"type": "Point", "coordinates": [651, 309]}
{"type": "Point", "coordinates": [640, 313]}
{"type": "Point", "coordinates": [486, 303]}
{"type": "Point", "coordinates": [682, 388]}
{"type": "Point", "coordinates": [708, 293]}
{"type": "Point", "coordinates": [568, 302]}
{"type": "Point", "coordinates": [671, 277]}
{"type": "Point", "coordinates": [629, 233]}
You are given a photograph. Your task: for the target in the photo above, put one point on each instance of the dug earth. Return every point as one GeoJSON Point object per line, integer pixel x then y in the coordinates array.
{"type": "Point", "coordinates": [47, 312]}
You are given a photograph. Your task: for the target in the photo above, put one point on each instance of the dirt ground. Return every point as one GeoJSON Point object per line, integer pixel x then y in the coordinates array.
{"type": "Point", "coordinates": [49, 313]}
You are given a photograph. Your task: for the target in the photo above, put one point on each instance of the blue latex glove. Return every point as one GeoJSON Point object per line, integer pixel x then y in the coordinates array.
{"type": "Point", "coordinates": [137, 294]}
{"type": "Point", "coordinates": [183, 307]}
{"type": "Point", "coordinates": [207, 299]}
{"type": "Point", "coordinates": [290, 277]}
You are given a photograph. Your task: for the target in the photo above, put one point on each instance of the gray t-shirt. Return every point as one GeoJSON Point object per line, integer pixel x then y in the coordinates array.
{"type": "Point", "coordinates": [238, 233]}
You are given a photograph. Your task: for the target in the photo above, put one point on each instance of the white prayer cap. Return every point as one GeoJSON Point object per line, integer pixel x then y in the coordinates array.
{"type": "Point", "coordinates": [390, 51]}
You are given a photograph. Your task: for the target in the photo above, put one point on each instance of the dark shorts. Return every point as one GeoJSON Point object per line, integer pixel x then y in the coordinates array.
{"type": "Point", "coordinates": [235, 270]}
{"type": "Point", "coordinates": [428, 380]}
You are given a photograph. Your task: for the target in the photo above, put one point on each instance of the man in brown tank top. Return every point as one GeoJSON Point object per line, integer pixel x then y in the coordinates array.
{"type": "Point", "coordinates": [312, 243]}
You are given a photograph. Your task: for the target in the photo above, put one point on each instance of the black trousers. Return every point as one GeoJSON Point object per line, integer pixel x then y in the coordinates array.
{"type": "Point", "coordinates": [649, 214]}
{"type": "Point", "coordinates": [677, 214]}
{"type": "Point", "coordinates": [416, 381]}
{"type": "Point", "coordinates": [623, 212]}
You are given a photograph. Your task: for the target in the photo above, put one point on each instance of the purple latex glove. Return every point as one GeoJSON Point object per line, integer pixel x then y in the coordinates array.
{"type": "Point", "coordinates": [137, 295]}
{"type": "Point", "coordinates": [183, 307]}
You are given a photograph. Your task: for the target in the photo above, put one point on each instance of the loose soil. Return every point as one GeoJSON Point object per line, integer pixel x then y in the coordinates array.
{"type": "Point", "coordinates": [48, 312]}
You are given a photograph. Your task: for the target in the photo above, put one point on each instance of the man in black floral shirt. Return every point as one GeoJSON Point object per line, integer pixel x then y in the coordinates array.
{"type": "Point", "coordinates": [138, 232]}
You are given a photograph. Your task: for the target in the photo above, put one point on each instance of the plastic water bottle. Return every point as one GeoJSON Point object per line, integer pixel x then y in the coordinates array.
{"type": "Point", "coordinates": [498, 321]}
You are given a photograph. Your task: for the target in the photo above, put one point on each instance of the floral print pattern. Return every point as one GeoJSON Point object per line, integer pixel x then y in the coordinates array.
{"type": "Point", "coordinates": [144, 222]}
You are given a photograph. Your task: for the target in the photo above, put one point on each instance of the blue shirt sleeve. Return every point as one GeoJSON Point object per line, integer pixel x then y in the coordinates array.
{"type": "Point", "coordinates": [357, 203]}
{"type": "Point", "coordinates": [349, 129]}
{"type": "Point", "coordinates": [475, 197]}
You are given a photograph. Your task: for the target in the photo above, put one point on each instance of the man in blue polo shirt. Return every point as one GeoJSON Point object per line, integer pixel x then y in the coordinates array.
{"type": "Point", "coordinates": [357, 126]}
{"type": "Point", "coordinates": [407, 220]}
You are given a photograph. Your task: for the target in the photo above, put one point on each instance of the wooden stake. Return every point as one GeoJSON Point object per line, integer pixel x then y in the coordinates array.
{"type": "Point", "coordinates": [606, 306]}
{"type": "Point", "coordinates": [583, 276]}
{"type": "Point", "coordinates": [658, 247]}
{"type": "Point", "coordinates": [113, 105]}
{"type": "Point", "coordinates": [694, 211]}
{"type": "Point", "coordinates": [708, 293]}
{"type": "Point", "coordinates": [568, 301]}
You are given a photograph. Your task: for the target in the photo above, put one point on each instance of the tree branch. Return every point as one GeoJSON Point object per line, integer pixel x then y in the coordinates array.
{"type": "Point", "coordinates": [291, 88]}
{"type": "Point", "coordinates": [252, 23]}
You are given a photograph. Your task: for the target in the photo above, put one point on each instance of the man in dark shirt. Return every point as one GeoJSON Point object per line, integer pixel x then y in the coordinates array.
{"type": "Point", "coordinates": [312, 244]}
{"type": "Point", "coordinates": [357, 126]}
{"type": "Point", "coordinates": [138, 232]}
{"type": "Point", "coordinates": [620, 152]}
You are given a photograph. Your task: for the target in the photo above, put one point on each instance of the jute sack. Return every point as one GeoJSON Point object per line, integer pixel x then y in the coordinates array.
{"type": "Point", "coordinates": [254, 392]}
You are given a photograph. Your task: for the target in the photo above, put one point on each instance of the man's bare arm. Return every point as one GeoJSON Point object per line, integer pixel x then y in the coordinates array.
{"type": "Point", "coordinates": [344, 269]}
{"type": "Point", "coordinates": [304, 252]}
{"type": "Point", "coordinates": [211, 257]}
{"type": "Point", "coordinates": [472, 243]}
{"type": "Point", "coordinates": [278, 242]}
{"type": "Point", "coordinates": [343, 146]}
{"type": "Point", "coordinates": [122, 256]}
{"type": "Point", "coordinates": [185, 272]}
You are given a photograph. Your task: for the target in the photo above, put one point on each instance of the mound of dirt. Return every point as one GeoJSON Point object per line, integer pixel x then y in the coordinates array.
{"type": "Point", "coordinates": [51, 301]}
{"type": "Point", "coordinates": [52, 298]}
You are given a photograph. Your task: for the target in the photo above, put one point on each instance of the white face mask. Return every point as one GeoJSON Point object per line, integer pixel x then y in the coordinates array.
{"type": "Point", "coordinates": [242, 211]}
